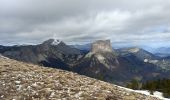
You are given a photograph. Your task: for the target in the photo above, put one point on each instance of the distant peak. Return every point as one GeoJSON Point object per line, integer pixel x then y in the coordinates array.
{"type": "Point", "coordinates": [56, 42]}
{"type": "Point", "coordinates": [52, 42]}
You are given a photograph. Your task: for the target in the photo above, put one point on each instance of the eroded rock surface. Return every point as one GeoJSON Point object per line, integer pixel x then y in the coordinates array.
{"type": "Point", "coordinates": [101, 46]}
{"type": "Point", "coordinates": [22, 81]}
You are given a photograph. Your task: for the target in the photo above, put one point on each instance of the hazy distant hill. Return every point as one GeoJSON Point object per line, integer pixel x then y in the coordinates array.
{"type": "Point", "coordinates": [139, 53]}
{"type": "Point", "coordinates": [86, 47]}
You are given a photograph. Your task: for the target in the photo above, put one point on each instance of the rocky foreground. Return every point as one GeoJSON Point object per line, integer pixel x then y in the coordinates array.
{"type": "Point", "coordinates": [22, 81]}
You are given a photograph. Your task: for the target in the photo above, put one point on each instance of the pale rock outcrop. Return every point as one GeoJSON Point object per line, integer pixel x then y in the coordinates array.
{"type": "Point", "coordinates": [101, 46]}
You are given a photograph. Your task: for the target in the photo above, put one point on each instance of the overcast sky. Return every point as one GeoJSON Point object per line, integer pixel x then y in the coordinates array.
{"type": "Point", "coordinates": [131, 22]}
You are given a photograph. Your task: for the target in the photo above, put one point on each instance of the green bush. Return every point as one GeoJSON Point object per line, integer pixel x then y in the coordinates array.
{"type": "Point", "coordinates": [162, 85]}
{"type": "Point", "coordinates": [134, 84]}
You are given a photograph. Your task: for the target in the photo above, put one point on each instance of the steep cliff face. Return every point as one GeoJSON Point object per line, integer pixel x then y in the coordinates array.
{"type": "Point", "coordinates": [22, 81]}
{"type": "Point", "coordinates": [101, 46]}
{"type": "Point", "coordinates": [102, 53]}
{"type": "Point", "coordinates": [105, 63]}
{"type": "Point", "coordinates": [99, 62]}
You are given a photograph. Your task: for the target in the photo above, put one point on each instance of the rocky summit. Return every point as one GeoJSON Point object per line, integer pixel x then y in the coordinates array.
{"type": "Point", "coordinates": [23, 81]}
{"type": "Point", "coordinates": [50, 53]}
{"type": "Point", "coordinates": [117, 66]}
{"type": "Point", "coordinates": [101, 46]}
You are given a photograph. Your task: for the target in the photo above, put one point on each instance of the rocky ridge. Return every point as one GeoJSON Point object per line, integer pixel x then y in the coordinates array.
{"type": "Point", "coordinates": [50, 53]}
{"type": "Point", "coordinates": [102, 62]}
{"type": "Point", "coordinates": [118, 66]}
{"type": "Point", "coordinates": [23, 81]}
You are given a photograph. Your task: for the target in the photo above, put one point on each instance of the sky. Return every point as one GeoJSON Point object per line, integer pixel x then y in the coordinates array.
{"type": "Point", "coordinates": [124, 22]}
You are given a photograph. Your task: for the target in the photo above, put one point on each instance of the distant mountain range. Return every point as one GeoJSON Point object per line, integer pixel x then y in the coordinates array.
{"type": "Point", "coordinates": [99, 61]}
{"type": "Point", "coordinates": [86, 47]}
{"type": "Point", "coordinates": [162, 52]}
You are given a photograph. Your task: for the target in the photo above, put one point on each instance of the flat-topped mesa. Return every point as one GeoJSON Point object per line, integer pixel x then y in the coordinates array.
{"type": "Point", "coordinates": [101, 46]}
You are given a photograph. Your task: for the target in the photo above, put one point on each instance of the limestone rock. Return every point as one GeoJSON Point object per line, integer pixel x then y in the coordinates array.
{"type": "Point", "coordinates": [101, 46]}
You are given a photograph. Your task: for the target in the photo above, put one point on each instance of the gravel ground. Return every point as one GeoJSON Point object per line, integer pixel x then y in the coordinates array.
{"type": "Point", "coordinates": [22, 81]}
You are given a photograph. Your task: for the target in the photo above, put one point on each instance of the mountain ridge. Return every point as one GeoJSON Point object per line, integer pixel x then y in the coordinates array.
{"type": "Point", "coordinates": [45, 53]}
{"type": "Point", "coordinates": [117, 67]}
{"type": "Point", "coordinates": [114, 66]}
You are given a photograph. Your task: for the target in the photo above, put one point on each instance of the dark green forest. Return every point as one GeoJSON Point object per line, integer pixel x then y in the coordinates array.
{"type": "Point", "coordinates": [161, 85]}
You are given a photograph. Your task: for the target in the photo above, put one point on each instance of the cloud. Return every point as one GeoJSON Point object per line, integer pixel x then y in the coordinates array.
{"type": "Point", "coordinates": [76, 21]}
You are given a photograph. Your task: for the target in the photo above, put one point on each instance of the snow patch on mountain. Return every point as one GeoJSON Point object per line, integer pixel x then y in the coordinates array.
{"type": "Point", "coordinates": [146, 92]}
{"type": "Point", "coordinates": [134, 50]}
{"type": "Point", "coordinates": [56, 42]}
{"type": "Point", "coordinates": [156, 94]}
{"type": "Point", "coordinates": [1, 56]}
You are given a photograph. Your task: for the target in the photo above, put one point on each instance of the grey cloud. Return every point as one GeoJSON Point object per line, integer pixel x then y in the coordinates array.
{"type": "Point", "coordinates": [80, 21]}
